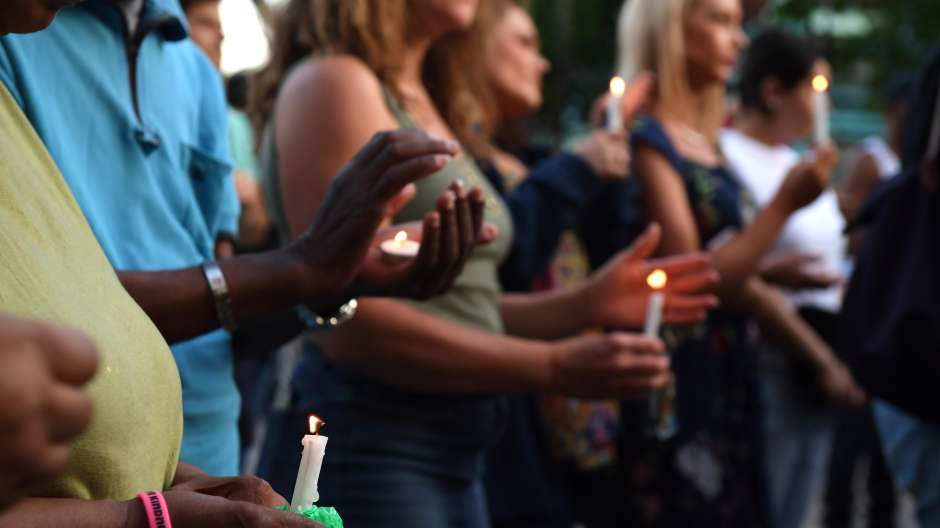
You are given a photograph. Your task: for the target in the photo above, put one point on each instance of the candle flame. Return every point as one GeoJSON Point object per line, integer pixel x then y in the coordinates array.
{"type": "Point", "coordinates": [401, 237]}
{"type": "Point", "coordinates": [315, 423]}
{"type": "Point", "coordinates": [820, 83]}
{"type": "Point", "coordinates": [657, 279]}
{"type": "Point", "coordinates": [618, 86]}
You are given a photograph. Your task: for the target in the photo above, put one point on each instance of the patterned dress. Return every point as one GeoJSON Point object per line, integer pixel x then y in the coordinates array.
{"type": "Point", "coordinates": [710, 474]}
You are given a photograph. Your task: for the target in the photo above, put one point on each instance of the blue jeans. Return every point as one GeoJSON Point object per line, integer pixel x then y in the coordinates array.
{"type": "Point", "coordinates": [913, 450]}
{"type": "Point", "coordinates": [393, 458]}
{"type": "Point", "coordinates": [798, 434]}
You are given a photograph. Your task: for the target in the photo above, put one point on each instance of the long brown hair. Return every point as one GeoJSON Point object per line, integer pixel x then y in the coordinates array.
{"type": "Point", "coordinates": [374, 31]}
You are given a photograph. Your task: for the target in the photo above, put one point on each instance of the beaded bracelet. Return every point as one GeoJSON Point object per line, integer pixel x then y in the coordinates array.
{"type": "Point", "coordinates": [158, 516]}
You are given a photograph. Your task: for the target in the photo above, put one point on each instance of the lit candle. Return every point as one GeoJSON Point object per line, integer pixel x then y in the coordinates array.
{"type": "Point", "coordinates": [614, 107]}
{"type": "Point", "coordinates": [654, 309]}
{"type": "Point", "coordinates": [662, 404]}
{"type": "Point", "coordinates": [821, 89]}
{"type": "Point", "coordinates": [400, 248]}
{"type": "Point", "coordinates": [305, 488]}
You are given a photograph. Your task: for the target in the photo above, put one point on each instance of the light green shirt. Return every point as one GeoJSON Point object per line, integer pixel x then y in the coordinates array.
{"type": "Point", "coordinates": [54, 270]}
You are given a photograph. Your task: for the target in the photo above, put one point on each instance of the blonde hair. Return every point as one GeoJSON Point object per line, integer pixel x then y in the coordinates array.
{"type": "Point", "coordinates": [650, 38]}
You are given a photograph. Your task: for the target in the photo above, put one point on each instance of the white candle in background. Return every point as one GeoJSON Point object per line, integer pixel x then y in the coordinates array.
{"type": "Point", "coordinates": [654, 309]}
{"type": "Point", "coordinates": [821, 92]}
{"type": "Point", "coordinates": [400, 248]}
{"type": "Point", "coordinates": [305, 488]}
{"type": "Point", "coordinates": [614, 107]}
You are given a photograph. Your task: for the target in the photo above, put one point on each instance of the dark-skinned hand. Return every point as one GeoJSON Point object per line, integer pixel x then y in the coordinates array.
{"type": "Point", "coordinates": [42, 370]}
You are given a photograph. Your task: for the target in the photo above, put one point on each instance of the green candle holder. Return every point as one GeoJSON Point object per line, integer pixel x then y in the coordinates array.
{"type": "Point", "coordinates": [325, 515]}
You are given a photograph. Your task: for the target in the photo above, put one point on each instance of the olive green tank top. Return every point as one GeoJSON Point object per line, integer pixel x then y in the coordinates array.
{"type": "Point", "coordinates": [474, 299]}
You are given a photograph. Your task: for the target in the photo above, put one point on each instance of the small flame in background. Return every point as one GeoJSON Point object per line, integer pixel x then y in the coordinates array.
{"type": "Point", "coordinates": [401, 237]}
{"type": "Point", "coordinates": [657, 279]}
{"type": "Point", "coordinates": [618, 86]}
{"type": "Point", "coordinates": [820, 83]}
{"type": "Point", "coordinates": [315, 423]}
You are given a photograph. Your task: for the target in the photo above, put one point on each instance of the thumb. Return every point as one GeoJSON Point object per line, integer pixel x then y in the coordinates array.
{"type": "Point", "coordinates": [637, 96]}
{"type": "Point", "coordinates": [400, 200]}
{"type": "Point", "coordinates": [643, 247]}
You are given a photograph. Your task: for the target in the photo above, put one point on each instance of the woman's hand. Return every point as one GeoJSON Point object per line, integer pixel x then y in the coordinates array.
{"type": "Point", "coordinates": [448, 236]}
{"type": "Point", "coordinates": [189, 509]}
{"type": "Point", "coordinates": [42, 370]}
{"type": "Point", "coordinates": [791, 271]}
{"type": "Point", "coordinates": [617, 365]}
{"type": "Point", "coordinates": [332, 251]}
{"type": "Point", "coordinates": [618, 294]}
{"type": "Point", "coordinates": [607, 153]}
{"type": "Point", "coordinates": [808, 179]}
{"type": "Point", "coordinates": [840, 386]}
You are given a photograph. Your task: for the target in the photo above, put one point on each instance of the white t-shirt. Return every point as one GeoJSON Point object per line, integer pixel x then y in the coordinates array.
{"type": "Point", "coordinates": [816, 229]}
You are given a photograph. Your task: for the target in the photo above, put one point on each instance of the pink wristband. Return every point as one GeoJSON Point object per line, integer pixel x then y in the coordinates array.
{"type": "Point", "coordinates": [158, 516]}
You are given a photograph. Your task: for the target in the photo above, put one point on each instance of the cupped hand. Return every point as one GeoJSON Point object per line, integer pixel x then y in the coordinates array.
{"type": "Point", "coordinates": [616, 365]}
{"type": "Point", "coordinates": [332, 252]}
{"type": "Point", "coordinates": [618, 293]}
{"type": "Point", "coordinates": [447, 235]}
{"type": "Point", "coordinates": [42, 370]}
{"type": "Point", "coordinates": [189, 509]}
{"type": "Point", "coordinates": [809, 178]}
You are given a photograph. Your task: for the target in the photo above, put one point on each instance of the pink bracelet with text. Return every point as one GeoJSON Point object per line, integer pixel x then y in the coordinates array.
{"type": "Point", "coordinates": [158, 516]}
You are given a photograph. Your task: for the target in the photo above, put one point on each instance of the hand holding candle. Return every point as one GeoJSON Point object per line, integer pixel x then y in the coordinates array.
{"type": "Point", "coordinates": [305, 488]}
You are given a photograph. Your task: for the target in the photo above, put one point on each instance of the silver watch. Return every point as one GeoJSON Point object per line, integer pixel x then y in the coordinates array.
{"type": "Point", "coordinates": [220, 293]}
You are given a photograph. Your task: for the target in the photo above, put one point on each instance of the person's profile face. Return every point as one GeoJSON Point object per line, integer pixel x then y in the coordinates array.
{"type": "Point", "coordinates": [28, 16]}
{"type": "Point", "coordinates": [713, 39]}
{"type": "Point", "coordinates": [440, 17]}
{"type": "Point", "coordinates": [515, 66]}
{"type": "Point", "coordinates": [205, 28]}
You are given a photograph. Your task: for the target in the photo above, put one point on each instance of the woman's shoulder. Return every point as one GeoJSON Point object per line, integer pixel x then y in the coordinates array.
{"type": "Point", "coordinates": [333, 82]}
{"type": "Point", "coordinates": [335, 88]}
{"type": "Point", "coordinates": [649, 132]}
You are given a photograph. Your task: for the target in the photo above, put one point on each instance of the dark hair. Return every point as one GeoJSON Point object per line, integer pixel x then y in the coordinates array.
{"type": "Point", "coordinates": [778, 55]}
{"type": "Point", "coordinates": [186, 4]}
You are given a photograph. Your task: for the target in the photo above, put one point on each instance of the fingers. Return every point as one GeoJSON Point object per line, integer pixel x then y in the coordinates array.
{"type": "Point", "coordinates": [695, 282]}
{"type": "Point", "coordinates": [680, 265]}
{"type": "Point", "coordinates": [646, 244]}
{"type": "Point", "coordinates": [430, 247]}
{"type": "Point", "coordinates": [400, 200]}
{"type": "Point", "coordinates": [437, 273]}
{"type": "Point", "coordinates": [71, 356]}
{"type": "Point", "coordinates": [638, 345]}
{"type": "Point", "coordinates": [477, 211]}
{"type": "Point", "coordinates": [488, 233]}
{"type": "Point", "coordinates": [408, 171]}
{"type": "Point", "coordinates": [69, 412]}
{"type": "Point", "coordinates": [637, 96]}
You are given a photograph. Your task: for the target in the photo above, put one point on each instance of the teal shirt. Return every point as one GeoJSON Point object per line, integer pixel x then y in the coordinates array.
{"type": "Point", "coordinates": [152, 178]}
{"type": "Point", "coordinates": [241, 139]}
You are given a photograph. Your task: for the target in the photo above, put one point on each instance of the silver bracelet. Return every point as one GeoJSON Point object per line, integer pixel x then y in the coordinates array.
{"type": "Point", "coordinates": [220, 293]}
{"type": "Point", "coordinates": [315, 322]}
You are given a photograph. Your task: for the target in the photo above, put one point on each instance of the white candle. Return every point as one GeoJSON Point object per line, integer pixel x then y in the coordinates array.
{"type": "Point", "coordinates": [400, 248]}
{"type": "Point", "coordinates": [654, 309]}
{"type": "Point", "coordinates": [305, 488]}
{"type": "Point", "coordinates": [614, 111]}
{"type": "Point", "coordinates": [821, 88]}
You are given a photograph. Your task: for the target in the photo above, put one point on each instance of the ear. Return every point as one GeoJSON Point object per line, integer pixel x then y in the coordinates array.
{"type": "Point", "coordinates": [771, 93]}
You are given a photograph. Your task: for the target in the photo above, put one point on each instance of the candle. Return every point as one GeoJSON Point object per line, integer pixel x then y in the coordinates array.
{"type": "Point", "coordinates": [662, 404]}
{"type": "Point", "coordinates": [400, 248]}
{"type": "Point", "coordinates": [654, 309]}
{"type": "Point", "coordinates": [614, 107]}
{"type": "Point", "coordinates": [305, 488]}
{"type": "Point", "coordinates": [821, 89]}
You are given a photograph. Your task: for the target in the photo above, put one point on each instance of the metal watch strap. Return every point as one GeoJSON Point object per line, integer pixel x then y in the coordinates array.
{"type": "Point", "coordinates": [316, 322]}
{"type": "Point", "coordinates": [220, 293]}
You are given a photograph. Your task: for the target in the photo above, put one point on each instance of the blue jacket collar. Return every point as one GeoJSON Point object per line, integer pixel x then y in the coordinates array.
{"type": "Point", "coordinates": [165, 17]}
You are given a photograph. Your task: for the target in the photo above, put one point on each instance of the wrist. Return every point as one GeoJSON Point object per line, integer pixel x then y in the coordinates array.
{"type": "Point", "coordinates": [305, 280]}
{"type": "Point", "coordinates": [134, 514]}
